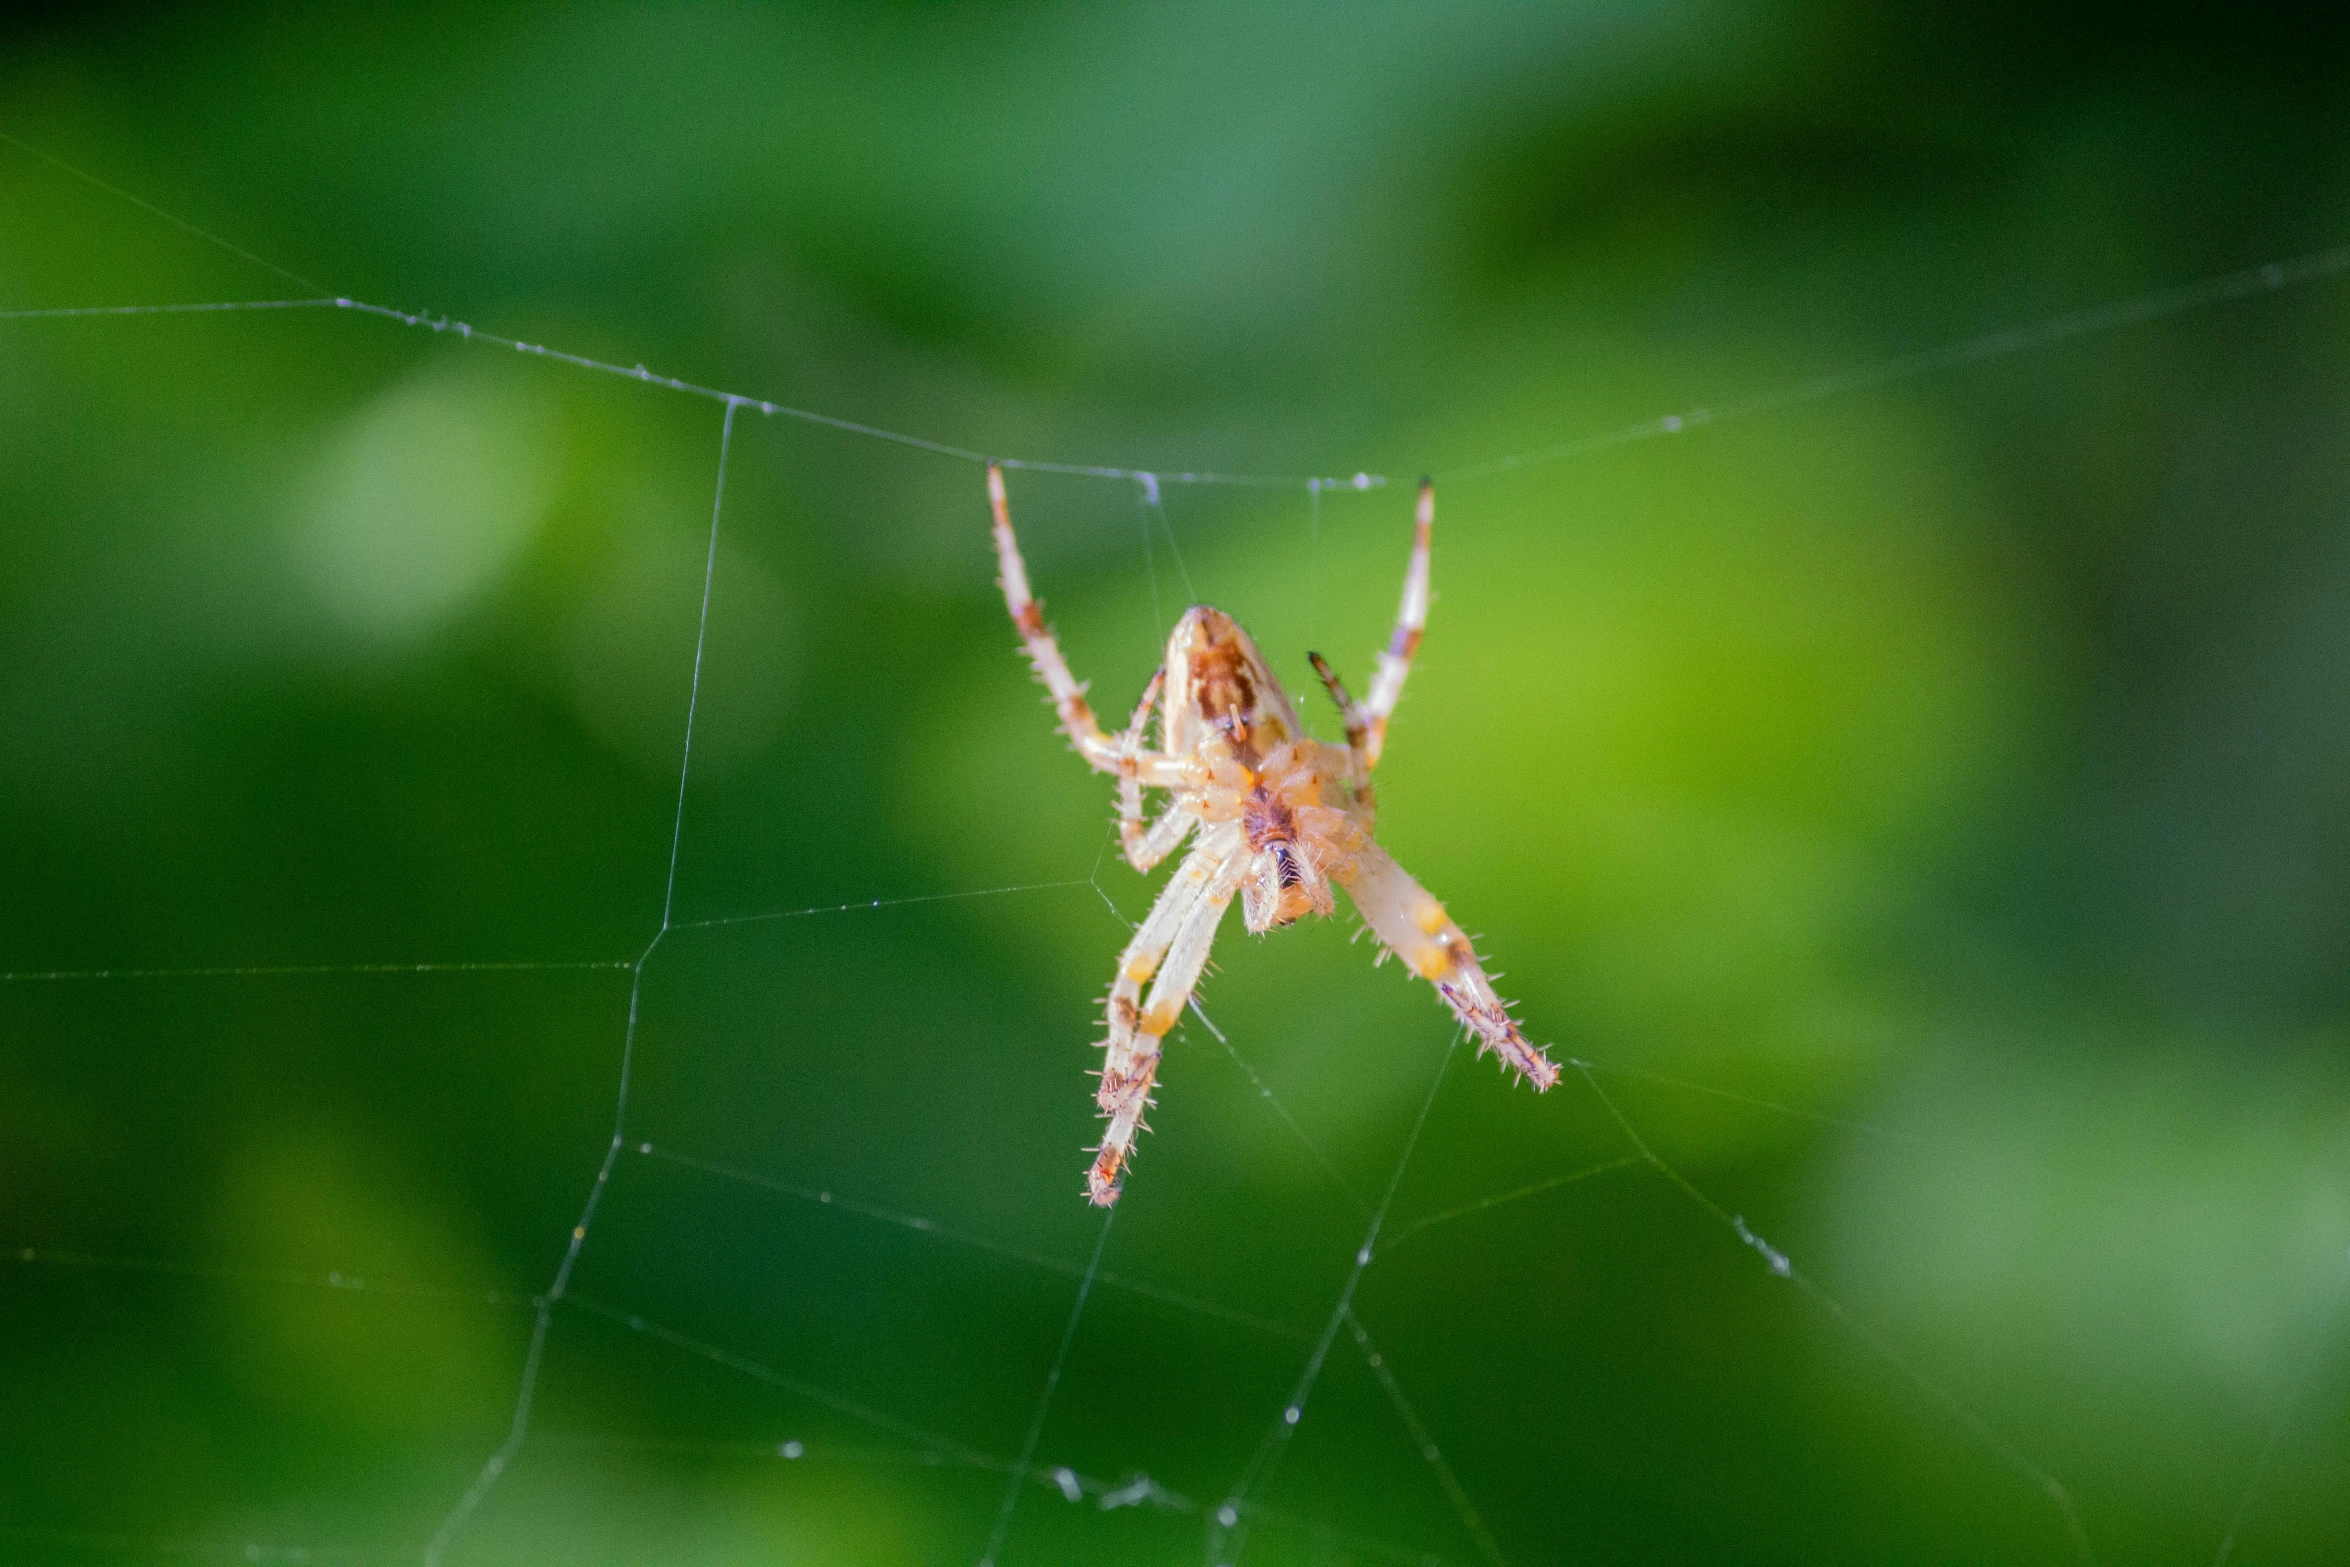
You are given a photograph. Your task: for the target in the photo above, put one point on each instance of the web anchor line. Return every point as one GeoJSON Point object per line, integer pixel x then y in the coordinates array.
{"type": "Point", "coordinates": [322, 298]}
{"type": "Point", "coordinates": [2135, 310]}
{"type": "Point", "coordinates": [1784, 1267]}
{"type": "Point", "coordinates": [1227, 1526]}
{"type": "Point", "coordinates": [519, 1428]}
{"type": "Point", "coordinates": [1265, 1094]}
{"type": "Point", "coordinates": [153, 211]}
{"type": "Point", "coordinates": [734, 401]}
{"type": "Point", "coordinates": [1471, 1520]}
{"type": "Point", "coordinates": [1024, 1467]}
{"type": "Point", "coordinates": [1154, 508]}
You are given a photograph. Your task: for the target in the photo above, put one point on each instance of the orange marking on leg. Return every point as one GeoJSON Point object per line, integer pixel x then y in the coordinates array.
{"type": "Point", "coordinates": [1101, 1182]}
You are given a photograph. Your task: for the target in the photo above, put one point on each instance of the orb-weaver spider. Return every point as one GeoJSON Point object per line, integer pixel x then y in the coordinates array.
{"type": "Point", "coordinates": [1281, 818]}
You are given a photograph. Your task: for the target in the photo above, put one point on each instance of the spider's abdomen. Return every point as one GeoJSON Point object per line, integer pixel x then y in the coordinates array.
{"type": "Point", "coordinates": [1219, 688]}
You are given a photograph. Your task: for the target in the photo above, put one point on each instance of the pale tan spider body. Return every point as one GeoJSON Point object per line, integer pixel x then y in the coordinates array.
{"type": "Point", "coordinates": [1280, 819]}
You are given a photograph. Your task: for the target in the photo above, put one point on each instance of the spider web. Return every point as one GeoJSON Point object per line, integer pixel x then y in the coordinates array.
{"type": "Point", "coordinates": [680, 1130]}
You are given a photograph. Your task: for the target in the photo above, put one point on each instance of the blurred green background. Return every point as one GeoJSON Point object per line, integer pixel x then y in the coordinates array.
{"type": "Point", "coordinates": [1928, 807]}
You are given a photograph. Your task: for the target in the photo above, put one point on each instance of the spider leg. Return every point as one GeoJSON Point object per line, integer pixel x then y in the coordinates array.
{"type": "Point", "coordinates": [1358, 732]}
{"type": "Point", "coordinates": [1172, 944]}
{"type": "Point", "coordinates": [1101, 752]}
{"type": "Point", "coordinates": [1414, 927]}
{"type": "Point", "coordinates": [1128, 1055]}
{"type": "Point", "coordinates": [1144, 849]}
{"type": "Point", "coordinates": [1411, 618]}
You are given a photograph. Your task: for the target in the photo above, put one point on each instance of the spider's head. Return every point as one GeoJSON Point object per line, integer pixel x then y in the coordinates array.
{"type": "Point", "coordinates": [1293, 840]}
{"type": "Point", "coordinates": [1282, 886]}
{"type": "Point", "coordinates": [1282, 882]}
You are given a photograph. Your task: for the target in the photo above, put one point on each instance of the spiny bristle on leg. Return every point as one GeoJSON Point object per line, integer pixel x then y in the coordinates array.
{"type": "Point", "coordinates": [1413, 926]}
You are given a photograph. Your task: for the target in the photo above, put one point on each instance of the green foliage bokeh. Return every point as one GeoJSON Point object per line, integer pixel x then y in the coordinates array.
{"type": "Point", "coordinates": [1924, 806]}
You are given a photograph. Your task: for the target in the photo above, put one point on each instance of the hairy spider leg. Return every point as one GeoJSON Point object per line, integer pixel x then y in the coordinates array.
{"type": "Point", "coordinates": [1136, 966]}
{"type": "Point", "coordinates": [1171, 945]}
{"type": "Point", "coordinates": [1145, 848]}
{"type": "Point", "coordinates": [1414, 926]}
{"type": "Point", "coordinates": [1100, 751]}
{"type": "Point", "coordinates": [1411, 619]}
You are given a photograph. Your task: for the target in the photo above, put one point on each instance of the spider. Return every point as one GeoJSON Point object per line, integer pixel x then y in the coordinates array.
{"type": "Point", "coordinates": [1280, 818]}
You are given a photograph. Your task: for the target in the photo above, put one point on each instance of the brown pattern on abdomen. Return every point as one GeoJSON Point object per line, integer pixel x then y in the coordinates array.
{"type": "Point", "coordinates": [1224, 692]}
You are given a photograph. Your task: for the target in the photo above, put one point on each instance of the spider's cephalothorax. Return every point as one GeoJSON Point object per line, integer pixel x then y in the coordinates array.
{"type": "Point", "coordinates": [1280, 817]}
